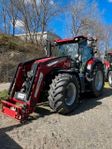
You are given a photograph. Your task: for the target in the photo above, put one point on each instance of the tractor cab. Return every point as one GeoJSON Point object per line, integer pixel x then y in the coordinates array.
{"type": "Point", "coordinates": [80, 49]}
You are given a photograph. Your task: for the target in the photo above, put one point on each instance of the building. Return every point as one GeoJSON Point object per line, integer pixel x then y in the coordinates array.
{"type": "Point", "coordinates": [38, 36]}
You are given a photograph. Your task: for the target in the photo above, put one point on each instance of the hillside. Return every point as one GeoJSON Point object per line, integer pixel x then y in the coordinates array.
{"type": "Point", "coordinates": [13, 51]}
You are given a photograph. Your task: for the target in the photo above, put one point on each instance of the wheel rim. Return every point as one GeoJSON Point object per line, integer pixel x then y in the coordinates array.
{"type": "Point", "coordinates": [98, 80]}
{"type": "Point", "coordinates": [110, 77]}
{"type": "Point", "coordinates": [70, 94]}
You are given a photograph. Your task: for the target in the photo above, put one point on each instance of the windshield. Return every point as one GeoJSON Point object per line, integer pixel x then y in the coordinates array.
{"type": "Point", "coordinates": [69, 49]}
{"type": "Point", "coordinates": [85, 51]}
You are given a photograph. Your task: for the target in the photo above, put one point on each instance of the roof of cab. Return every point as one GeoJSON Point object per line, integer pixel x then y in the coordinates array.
{"type": "Point", "coordinates": [68, 40]}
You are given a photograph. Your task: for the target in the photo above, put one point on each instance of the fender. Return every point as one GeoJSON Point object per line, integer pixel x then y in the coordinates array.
{"type": "Point", "coordinates": [71, 71]}
{"type": "Point", "coordinates": [108, 67]}
{"type": "Point", "coordinates": [107, 72]}
{"type": "Point", "coordinates": [91, 64]}
{"type": "Point", "coordinates": [107, 64]}
{"type": "Point", "coordinates": [90, 67]}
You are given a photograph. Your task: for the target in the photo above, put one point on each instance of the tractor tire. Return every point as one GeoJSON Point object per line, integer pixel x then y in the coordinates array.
{"type": "Point", "coordinates": [64, 93]}
{"type": "Point", "coordinates": [110, 78]}
{"type": "Point", "coordinates": [97, 83]}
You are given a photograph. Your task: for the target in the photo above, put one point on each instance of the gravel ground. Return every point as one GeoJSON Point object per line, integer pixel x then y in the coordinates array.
{"type": "Point", "coordinates": [88, 127]}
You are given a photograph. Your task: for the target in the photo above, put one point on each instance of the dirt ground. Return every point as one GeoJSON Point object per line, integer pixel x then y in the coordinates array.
{"type": "Point", "coordinates": [88, 127]}
{"type": "Point", "coordinates": [4, 86]}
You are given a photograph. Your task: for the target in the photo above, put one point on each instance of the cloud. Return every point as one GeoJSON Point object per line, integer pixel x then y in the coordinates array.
{"type": "Point", "coordinates": [30, 1]}
{"type": "Point", "coordinates": [38, 2]}
{"type": "Point", "coordinates": [51, 2]}
{"type": "Point", "coordinates": [27, 1]}
{"type": "Point", "coordinates": [110, 1]}
{"type": "Point", "coordinates": [19, 24]}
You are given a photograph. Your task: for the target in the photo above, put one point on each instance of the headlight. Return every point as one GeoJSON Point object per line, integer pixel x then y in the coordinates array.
{"type": "Point", "coordinates": [21, 96]}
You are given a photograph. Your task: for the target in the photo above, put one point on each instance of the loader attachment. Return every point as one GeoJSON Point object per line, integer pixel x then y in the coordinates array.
{"type": "Point", "coordinates": [11, 109]}
{"type": "Point", "coordinates": [19, 103]}
{"type": "Point", "coordinates": [16, 110]}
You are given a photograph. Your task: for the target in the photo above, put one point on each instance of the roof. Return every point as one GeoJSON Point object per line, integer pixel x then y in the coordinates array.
{"type": "Point", "coordinates": [39, 33]}
{"type": "Point", "coordinates": [69, 40]}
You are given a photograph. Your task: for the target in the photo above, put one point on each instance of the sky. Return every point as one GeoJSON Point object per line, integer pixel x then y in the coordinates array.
{"type": "Point", "coordinates": [105, 7]}
{"type": "Point", "coordinates": [58, 25]}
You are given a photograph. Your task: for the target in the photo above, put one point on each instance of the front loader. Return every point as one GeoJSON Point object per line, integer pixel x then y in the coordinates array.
{"type": "Point", "coordinates": [68, 70]}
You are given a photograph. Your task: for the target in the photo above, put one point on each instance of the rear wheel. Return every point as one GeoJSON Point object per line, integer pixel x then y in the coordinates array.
{"type": "Point", "coordinates": [64, 93]}
{"type": "Point", "coordinates": [98, 80]}
{"type": "Point", "coordinates": [110, 78]}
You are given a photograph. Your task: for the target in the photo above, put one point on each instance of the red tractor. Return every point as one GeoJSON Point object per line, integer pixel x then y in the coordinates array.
{"type": "Point", "coordinates": [68, 70]}
{"type": "Point", "coordinates": [108, 67]}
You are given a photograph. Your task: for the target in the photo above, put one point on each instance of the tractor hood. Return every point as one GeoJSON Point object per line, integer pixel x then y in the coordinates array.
{"type": "Point", "coordinates": [51, 60]}
{"type": "Point", "coordinates": [45, 60]}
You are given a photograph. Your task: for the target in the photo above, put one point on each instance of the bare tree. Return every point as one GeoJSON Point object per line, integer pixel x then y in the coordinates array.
{"type": "Point", "coordinates": [36, 15]}
{"type": "Point", "coordinates": [8, 15]}
{"type": "Point", "coordinates": [3, 12]}
{"type": "Point", "coordinates": [108, 37]}
{"type": "Point", "coordinates": [12, 14]}
{"type": "Point", "coordinates": [85, 18]}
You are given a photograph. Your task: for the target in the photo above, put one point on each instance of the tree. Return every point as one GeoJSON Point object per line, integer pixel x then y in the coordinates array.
{"type": "Point", "coordinates": [12, 14]}
{"type": "Point", "coordinates": [36, 15]}
{"type": "Point", "coordinates": [8, 15]}
{"type": "Point", "coordinates": [108, 37]}
{"type": "Point", "coordinates": [87, 19]}
{"type": "Point", "coordinates": [3, 12]}
{"type": "Point", "coordinates": [83, 20]}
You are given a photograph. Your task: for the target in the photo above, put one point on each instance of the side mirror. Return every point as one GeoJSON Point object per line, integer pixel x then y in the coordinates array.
{"type": "Point", "coordinates": [47, 47]}
{"type": "Point", "coordinates": [89, 43]}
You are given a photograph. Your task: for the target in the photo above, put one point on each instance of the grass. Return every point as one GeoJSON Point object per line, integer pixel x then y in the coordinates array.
{"type": "Point", "coordinates": [3, 95]}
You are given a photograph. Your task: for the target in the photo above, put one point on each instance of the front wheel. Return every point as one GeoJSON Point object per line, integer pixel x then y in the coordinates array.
{"type": "Point", "coordinates": [110, 78]}
{"type": "Point", "coordinates": [98, 80]}
{"type": "Point", "coordinates": [64, 93]}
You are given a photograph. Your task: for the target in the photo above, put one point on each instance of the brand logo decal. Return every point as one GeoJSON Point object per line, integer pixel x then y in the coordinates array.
{"type": "Point", "coordinates": [38, 84]}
